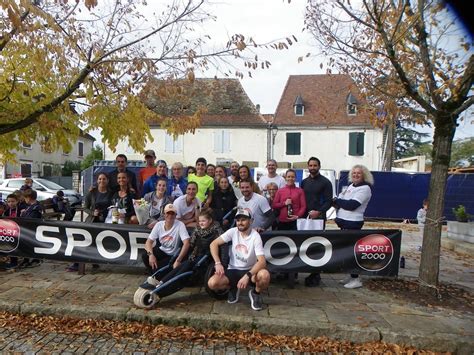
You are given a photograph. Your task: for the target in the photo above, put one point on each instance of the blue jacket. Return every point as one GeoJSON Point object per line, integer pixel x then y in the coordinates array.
{"type": "Point", "coordinates": [150, 184]}
{"type": "Point", "coordinates": [182, 182]}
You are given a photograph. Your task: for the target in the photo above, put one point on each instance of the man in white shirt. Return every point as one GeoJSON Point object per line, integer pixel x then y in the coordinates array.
{"type": "Point", "coordinates": [234, 171]}
{"type": "Point", "coordinates": [165, 240]}
{"type": "Point", "coordinates": [272, 176]}
{"type": "Point", "coordinates": [247, 264]}
{"type": "Point", "coordinates": [262, 214]}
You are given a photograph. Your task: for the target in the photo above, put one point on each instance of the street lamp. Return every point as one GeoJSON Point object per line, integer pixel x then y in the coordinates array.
{"type": "Point", "coordinates": [272, 131]}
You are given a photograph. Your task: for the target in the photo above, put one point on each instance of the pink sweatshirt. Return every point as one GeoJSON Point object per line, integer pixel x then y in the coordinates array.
{"type": "Point", "coordinates": [298, 202]}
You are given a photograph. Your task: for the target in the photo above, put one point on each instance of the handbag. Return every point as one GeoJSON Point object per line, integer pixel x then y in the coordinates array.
{"type": "Point", "coordinates": [308, 224]}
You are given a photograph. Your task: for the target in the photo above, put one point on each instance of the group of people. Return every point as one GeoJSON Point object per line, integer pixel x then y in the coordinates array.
{"type": "Point", "coordinates": [22, 203]}
{"type": "Point", "coordinates": [211, 201]}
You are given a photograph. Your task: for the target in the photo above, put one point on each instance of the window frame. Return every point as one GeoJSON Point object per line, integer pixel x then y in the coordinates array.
{"type": "Point", "coordinates": [349, 112]}
{"type": "Point", "coordinates": [222, 141]}
{"type": "Point", "coordinates": [296, 110]}
{"type": "Point", "coordinates": [176, 144]}
{"type": "Point", "coordinates": [22, 162]}
{"type": "Point", "coordinates": [287, 147]}
{"type": "Point", "coordinates": [79, 150]}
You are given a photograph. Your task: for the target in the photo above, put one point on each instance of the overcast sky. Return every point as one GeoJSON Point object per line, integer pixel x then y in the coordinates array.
{"type": "Point", "coordinates": [267, 20]}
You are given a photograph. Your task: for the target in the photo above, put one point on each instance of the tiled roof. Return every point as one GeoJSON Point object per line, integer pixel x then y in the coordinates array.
{"type": "Point", "coordinates": [324, 98]}
{"type": "Point", "coordinates": [224, 100]}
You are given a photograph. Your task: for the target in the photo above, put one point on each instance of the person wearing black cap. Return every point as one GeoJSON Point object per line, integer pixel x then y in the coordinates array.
{"type": "Point", "coordinates": [247, 264]}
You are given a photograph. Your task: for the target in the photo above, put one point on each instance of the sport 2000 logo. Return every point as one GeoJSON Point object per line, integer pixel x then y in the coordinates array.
{"type": "Point", "coordinates": [373, 252]}
{"type": "Point", "coordinates": [9, 235]}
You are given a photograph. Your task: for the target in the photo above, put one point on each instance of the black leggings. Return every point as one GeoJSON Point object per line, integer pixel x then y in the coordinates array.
{"type": "Point", "coordinates": [161, 257]}
{"type": "Point", "coordinates": [185, 266]}
{"type": "Point", "coordinates": [287, 226]}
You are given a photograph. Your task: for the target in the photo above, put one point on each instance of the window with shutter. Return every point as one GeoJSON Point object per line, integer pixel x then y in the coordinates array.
{"type": "Point", "coordinates": [47, 170]}
{"type": "Point", "coordinates": [293, 143]}
{"type": "Point", "coordinates": [173, 145]}
{"type": "Point", "coordinates": [356, 143]}
{"type": "Point", "coordinates": [80, 149]}
{"type": "Point", "coordinates": [222, 141]}
{"type": "Point", "coordinates": [25, 169]}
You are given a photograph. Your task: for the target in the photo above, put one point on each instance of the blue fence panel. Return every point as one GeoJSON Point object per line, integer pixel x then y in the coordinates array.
{"type": "Point", "coordinates": [399, 195]}
{"type": "Point", "coordinates": [459, 191]}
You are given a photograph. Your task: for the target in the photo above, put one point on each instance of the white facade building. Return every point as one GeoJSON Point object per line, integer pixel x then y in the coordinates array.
{"type": "Point", "coordinates": [317, 116]}
{"type": "Point", "coordinates": [32, 160]}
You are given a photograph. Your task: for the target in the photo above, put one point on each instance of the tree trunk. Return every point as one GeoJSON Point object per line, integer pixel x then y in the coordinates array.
{"type": "Point", "coordinates": [445, 128]}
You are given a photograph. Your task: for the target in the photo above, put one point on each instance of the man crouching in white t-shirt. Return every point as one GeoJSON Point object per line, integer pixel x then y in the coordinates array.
{"type": "Point", "coordinates": [246, 265]}
{"type": "Point", "coordinates": [165, 240]}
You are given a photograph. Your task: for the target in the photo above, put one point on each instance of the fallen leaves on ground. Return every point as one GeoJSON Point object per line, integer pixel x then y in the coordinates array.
{"type": "Point", "coordinates": [145, 333]}
{"type": "Point", "coordinates": [445, 296]}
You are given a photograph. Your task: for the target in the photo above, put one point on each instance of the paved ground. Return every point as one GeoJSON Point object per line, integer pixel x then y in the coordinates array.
{"type": "Point", "coordinates": [330, 310]}
{"type": "Point", "coordinates": [32, 342]}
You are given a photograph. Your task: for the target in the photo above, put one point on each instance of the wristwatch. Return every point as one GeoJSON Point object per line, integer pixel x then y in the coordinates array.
{"type": "Point", "coordinates": [249, 274]}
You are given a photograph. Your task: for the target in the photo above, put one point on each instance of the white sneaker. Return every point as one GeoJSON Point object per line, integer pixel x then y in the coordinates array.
{"type": "Point", "coordinates": [345, 280]}
{"type": "Point", "coordinates": [354, 283]}
{"type": "Point", "coordinates": [152, 281]}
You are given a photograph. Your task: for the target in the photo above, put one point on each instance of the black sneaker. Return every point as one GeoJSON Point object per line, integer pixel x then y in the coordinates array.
{"type": "Point", "coordinates": [255, 300]}
{"type": "Point", "coordinates": [233, 296]}
{"type": "Point", "coordinates": [34, 263]}
{"type": "Point", "coordinates": [312, 280]}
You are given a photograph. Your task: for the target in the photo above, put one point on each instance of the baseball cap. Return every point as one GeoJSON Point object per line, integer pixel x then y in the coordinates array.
{"type": "Point", "coordinates": [150, 153]}
{"type": "Point", "coordinates": [170, 208]}
{"type": "Point", "coordinates": [161, 162]}
{"type": "Point", "coordinates": [243, 213]}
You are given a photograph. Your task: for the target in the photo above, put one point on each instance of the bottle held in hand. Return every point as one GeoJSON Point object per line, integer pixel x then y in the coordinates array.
{"type": "Point", "coordinates": [290, 210]}
{"type": "Point", "coordinates": [115, 215]}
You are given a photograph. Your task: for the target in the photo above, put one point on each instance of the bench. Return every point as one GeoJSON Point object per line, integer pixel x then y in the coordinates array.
{"type": "Point", "coordinates": [48, 210]}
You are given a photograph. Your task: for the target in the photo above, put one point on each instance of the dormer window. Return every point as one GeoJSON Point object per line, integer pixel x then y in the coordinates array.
{"type": "Point", "coordinates": [299, 106]}
{"type": "Point", "coordinates": [352, 103]}
{"type": "Point", "coordinates": [351, 109]}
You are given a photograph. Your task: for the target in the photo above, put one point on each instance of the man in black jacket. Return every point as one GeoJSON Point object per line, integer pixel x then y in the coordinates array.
{"type": "Point", "coordinates": [121, 163]}
{"type": "Point", "coordinates": [318, 193]}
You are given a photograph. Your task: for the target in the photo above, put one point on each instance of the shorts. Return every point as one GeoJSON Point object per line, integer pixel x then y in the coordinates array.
{"type": "Point", "coordinates": [235, 275]}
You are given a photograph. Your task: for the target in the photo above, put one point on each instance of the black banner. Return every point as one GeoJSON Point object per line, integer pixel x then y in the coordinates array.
{"type": "Point", "coordinates": [370, 252]}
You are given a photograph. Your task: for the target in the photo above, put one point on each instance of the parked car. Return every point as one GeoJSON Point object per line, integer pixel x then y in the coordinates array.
{"type": "Point", "coordinates": [3, 195]}
{"type": "Point", "coordinates": [45, 189]}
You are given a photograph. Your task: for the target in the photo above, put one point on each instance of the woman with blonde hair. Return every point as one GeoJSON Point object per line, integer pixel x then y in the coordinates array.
{"type": "Point", "coordinates": [351, 204]}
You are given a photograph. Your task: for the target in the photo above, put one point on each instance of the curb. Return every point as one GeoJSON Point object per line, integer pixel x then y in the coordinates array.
{"type": "Point", "coordinates": [445, 342]}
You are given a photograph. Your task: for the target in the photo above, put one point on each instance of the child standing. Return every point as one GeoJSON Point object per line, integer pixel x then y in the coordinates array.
{"type": "Point", "coordinates": [421, 218]}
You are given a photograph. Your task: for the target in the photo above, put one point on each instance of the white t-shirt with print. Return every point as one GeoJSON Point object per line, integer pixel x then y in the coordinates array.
{"type": "Point", "coordinates": [258, 206]}
{"type": "Point", "coordinates": [183, 210]}
{"type": "Point", "coordinates": [361, 194]}
{"type": "Point", "coordinates": [244, 251]}
{"type": "Point", "coordinates": [265, 180]}
{"type": "Point", "coordinates": [169, 239]}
